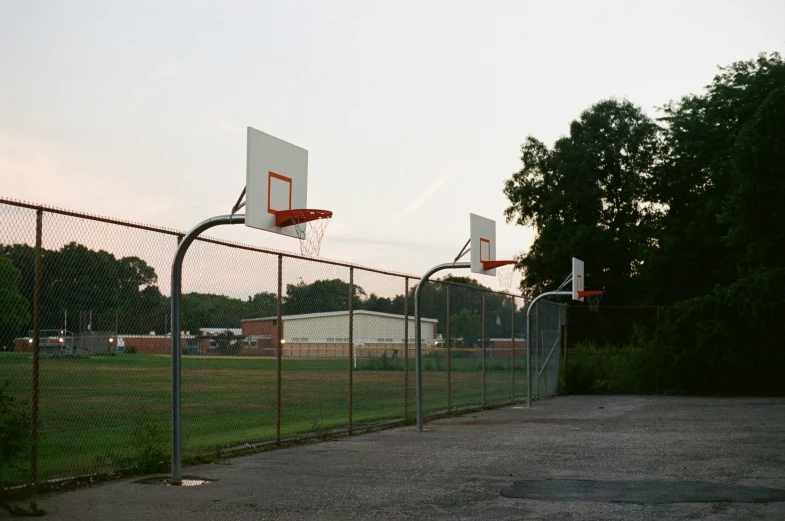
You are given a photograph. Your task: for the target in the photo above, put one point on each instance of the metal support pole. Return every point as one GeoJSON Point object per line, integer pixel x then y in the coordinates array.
{"type": "Point", "coordinates": [279, 344]}
{"type": "Point", "coordinates": [351, 342]}
{"type": "Point", "coordinates": [564, 351]}
{"type": "Point", "coordinates": [528, 339]}
{"type": "Point", "coordinates": [657, 360]}
{"type": "Point", "coordinates": [418, 330]}
{"type": "Point", "coordinates": [39, 218]}
{"type": "Point", "coordinates": [177, 267]}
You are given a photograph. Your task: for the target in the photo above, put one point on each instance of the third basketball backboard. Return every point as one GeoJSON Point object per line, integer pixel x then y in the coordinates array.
{"type": "Point", "coordinates": [276, 180]}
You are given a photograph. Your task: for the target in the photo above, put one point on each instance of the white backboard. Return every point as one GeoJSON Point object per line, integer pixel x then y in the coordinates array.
{"type": "Point", "coordinates": [482, 243]}
{"type": "Point", "coordinates": [578, 278]}
{"type": "Point", "coordinates": [276, 179]}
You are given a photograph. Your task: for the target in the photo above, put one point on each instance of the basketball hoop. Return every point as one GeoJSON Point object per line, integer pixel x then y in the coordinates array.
{"type": "Point", "coordinates": [504, 270]}
{"type": "Point", "coordinates": [309, 226]}
{"type": "Point", "coordinates": [592, 298]}
{"type": "Point", "coordinates": [505, 274]}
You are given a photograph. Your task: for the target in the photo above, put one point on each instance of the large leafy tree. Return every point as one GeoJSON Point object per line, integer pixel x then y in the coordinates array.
{"type": "Point", "coordinates": [264, 304]}
{"type": "Point", "coordinates": [394, 305]}
{"type": "Point", "coordinates": [588, 197]}
{"type": "Point", "coordinates": [320, 296]}
{"type": "Point", "coordinates": [78, 280]}
{"type": "Point", "coordinates": [220, 311]}
{"type": "Point", "coordinates": [213, 311]}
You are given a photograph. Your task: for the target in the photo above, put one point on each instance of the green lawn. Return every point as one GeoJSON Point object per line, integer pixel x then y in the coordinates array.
{"type": "Point", "coordinates": [96, 413]}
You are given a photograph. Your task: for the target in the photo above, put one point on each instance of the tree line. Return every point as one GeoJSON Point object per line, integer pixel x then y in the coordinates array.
{"type": "Point", "coordinates": [684, 210]}
{"type": "Point", "coordinates": [86, 290]}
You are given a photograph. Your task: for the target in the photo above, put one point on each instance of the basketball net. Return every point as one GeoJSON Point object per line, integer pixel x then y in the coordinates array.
{"type": "Point", "coordinates": [593, 301]}
{"type": "Point", "coordinates": [505, 274]}
{"type": "Point", "coordinates": [310, 234]}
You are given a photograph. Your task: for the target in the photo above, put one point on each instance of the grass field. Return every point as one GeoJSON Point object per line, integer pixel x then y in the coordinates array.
{"type": "Point", "coordinates": [105, 413]}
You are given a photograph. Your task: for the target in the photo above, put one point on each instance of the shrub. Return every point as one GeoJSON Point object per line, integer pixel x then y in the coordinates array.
{"type": "Point", "coordinates": [15, 441]}
{"type": "Point", "coordinates": [632, 368]}
{"type": "Point", "coordinates": [729, 341]}
{"type": "Point", "coordinates": [15, 435]}
{"type": "Point", "coordinates": [150, 440]}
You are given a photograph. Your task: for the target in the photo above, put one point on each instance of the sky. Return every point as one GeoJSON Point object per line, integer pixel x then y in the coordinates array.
{"type": "Point", "coordinates": [412, 113]}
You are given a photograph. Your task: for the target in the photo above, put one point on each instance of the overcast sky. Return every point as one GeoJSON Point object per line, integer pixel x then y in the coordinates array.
{"type": "Point", "coordinates": [413, 113]}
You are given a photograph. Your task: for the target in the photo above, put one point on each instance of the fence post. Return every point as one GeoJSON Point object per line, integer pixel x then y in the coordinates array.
{"type": "Point", "coordinates": [483, 349]}
{"type": "Point", "coordinates": [39, 218]}
{"type": "Point", "coordinates": [406, 349]}
{"type": "Point", "coordinates": [278, 353]}
{"type": "Point", "coordinates": [529, 358]}
{"type": "Point", "coordinates": [543, 369]}
{"type": "Point", "coordinates": [512, 350]}
{"type": "Point", "coordinates": [540, 312]}
{"type": "Point", "coordinates": [657, 360]}
{"type": "Point", "coordinates": [351, 342]}
{"type": "Point", "coordinates": [449, 356]}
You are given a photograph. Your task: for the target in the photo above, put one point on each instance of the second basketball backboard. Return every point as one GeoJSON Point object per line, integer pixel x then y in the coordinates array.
{"type": "Point", "coordinates": [276, 180]}
{"type": "Point", "coordinates": [578, 278]}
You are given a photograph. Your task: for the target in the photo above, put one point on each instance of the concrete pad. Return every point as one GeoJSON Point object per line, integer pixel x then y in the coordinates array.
{"type": "Point", "coordinates": [459, 466]}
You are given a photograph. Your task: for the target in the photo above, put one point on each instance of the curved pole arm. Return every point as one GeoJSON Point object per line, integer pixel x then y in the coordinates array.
{"type": "Point", "coordinates": [528, 340]}
{"type": "Point", "coordinates": [177, 266]}
{"type": "Point", "coordinates": [418, 330]}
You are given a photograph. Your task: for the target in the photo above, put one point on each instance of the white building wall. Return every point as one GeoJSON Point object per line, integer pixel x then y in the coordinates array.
{"type": "Point", "coordinates": [368, 328]}
{"type": "Point", "coordinates": [317, 329]}
{"type": "Point", "coordinates": [387, 330]}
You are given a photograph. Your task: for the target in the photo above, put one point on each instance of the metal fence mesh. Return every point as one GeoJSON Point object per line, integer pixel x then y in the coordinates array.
{"type": "Point", "coordinates": [329, 351]}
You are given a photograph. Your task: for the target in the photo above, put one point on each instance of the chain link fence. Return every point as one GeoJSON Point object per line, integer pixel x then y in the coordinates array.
{"type": "Point", "coordinates": [275, 347]}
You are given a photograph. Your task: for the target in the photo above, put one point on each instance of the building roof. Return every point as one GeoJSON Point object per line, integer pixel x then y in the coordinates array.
{"type": "Point", "coordinates": [336, 314]}
{"type": "Point", "coordinates": [220, 330]}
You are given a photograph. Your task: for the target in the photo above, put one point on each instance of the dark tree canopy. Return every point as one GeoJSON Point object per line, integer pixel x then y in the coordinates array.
{"type": "Point", "coordinates": [755, 208]}
{"type": "Point", "coordinates": [696, 176]}
{"type": "Point", "coordinates": [465, 310]}
{"type": "Point", "coordinates": [78, 280]}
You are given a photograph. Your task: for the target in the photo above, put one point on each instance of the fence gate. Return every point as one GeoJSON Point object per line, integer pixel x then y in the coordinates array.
{"type": "Point", "coordinates": [547, 319]}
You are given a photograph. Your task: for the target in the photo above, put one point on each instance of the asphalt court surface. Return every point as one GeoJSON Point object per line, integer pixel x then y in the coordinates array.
{"type": "Point", "coordinates": [568, 458]}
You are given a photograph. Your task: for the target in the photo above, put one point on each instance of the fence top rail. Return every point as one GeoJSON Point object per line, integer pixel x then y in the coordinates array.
{"type": "Point", "coordinates": [91, 217]}
{"type": "Point", "coordinates": [236, 245]}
